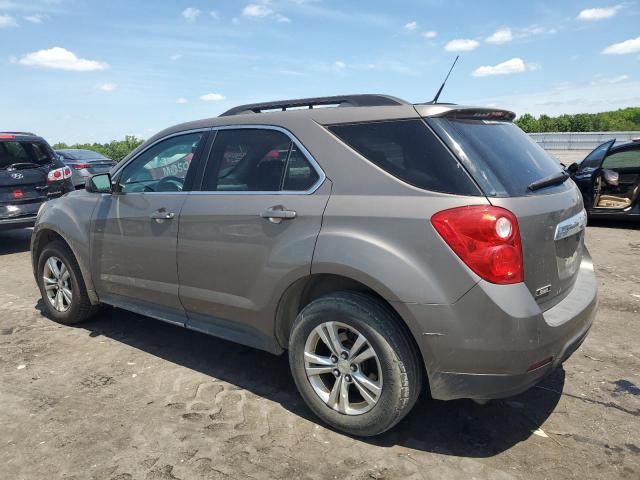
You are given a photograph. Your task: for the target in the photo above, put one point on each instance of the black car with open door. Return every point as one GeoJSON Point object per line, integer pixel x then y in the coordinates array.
{"type": "Point", "coordinates": [30, 174]}
{"type": "Point", "coordinates": [609, 179]}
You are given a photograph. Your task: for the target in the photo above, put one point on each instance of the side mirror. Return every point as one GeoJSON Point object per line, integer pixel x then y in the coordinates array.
{"type": "Point", "coordinates": [100, 183]}
{"type": "Point", "coordinates": [573, 168]}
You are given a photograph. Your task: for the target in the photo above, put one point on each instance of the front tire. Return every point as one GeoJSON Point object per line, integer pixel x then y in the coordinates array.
{"type": "Point", "coordinates": [62, 287]}
{"type": "Point", "coordinates": [354, 363]}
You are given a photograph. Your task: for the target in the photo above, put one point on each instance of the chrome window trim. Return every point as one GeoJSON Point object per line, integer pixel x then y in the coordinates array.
{"type": "Point", "coordinates": [307, 155]}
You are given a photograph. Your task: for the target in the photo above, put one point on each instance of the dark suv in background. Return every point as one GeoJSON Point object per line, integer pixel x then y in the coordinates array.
{"type": "Point", "coordinates": [30, 174]}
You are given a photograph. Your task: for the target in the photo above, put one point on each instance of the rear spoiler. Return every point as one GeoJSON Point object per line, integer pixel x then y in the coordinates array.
{"type": "Point", "coordinates": [478, 114]}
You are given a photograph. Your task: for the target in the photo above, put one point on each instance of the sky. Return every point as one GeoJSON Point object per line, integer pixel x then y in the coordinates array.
{"type": "Point", "coordinates": [85, 71]}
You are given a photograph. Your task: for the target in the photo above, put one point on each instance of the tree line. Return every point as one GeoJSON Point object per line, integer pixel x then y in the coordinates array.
{"type": "Point", "coordinates": [626, 119]}
{"type": "Point", "coordinates": [115, 149]}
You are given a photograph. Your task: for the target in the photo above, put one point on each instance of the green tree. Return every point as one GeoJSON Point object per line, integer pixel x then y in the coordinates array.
{"type": "Point", "coordinates": [626, 119]}
{"type": "Point", "coordinates": [115, 150]}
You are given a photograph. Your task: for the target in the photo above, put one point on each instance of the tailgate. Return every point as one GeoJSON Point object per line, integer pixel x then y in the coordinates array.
{"type": "Point", "coordinates": [552, 234]}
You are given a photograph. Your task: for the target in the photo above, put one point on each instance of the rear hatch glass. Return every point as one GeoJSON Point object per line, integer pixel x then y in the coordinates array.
{"type": "Point", "coordinates": [505, 163]}
{"type": "Point", "coordinates": [23, 171]}
{"type": "Point", "coordinates": [502, 159]}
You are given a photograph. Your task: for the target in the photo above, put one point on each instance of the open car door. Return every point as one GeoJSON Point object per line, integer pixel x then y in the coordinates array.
{"type": "Point", "coordinates": [587, 174]}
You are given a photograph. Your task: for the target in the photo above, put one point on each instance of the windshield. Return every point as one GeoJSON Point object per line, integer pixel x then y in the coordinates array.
{"type": "Point", "coordinates": [24, 152]}
{"type": "Point", "coordinates": [83, 155]}
{"type": "Point", "coordinates": [502, 159]}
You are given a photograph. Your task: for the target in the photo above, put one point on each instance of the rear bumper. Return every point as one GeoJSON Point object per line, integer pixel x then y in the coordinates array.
{"type": "Point", "coordinates": [488, 343]}
{"type": "Point", "coordinates": [15, 223]}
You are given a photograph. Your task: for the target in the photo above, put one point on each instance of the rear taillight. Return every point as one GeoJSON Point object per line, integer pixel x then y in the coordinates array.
{"type": "Point", "coordinates": [486, 238]}
{"type": "Point", "coordinates": [59, 174]}
{"type": "Point", "coordinates": [7, 137]}
{"type": "Point", "coordinates": [80, 166]}
{"type": "Point", "coordinates": [17, 194]}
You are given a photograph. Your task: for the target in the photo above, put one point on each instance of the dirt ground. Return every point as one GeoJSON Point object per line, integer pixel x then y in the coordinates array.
{"type": "Point", "coordinates": [127, 397]}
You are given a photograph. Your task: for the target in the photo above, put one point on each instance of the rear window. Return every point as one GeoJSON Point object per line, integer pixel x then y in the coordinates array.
{"type": "Point", "coordinates": [24, 152]}
{"type": "Point", "coordinates": [502, 159]}
{"type": "Point", "coordinates": [84, 155]}
{"type": "Point", "coordinates": [410, 151]}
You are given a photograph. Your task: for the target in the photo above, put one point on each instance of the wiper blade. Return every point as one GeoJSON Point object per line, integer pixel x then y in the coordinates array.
{"type": "Point", "coordinates": [554, 179]}
{"type": "Point", "coordinates": [17, 166]}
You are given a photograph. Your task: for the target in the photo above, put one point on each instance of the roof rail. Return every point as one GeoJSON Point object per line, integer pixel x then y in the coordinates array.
{"type": "Point", "coordinates": [363, 100]}
{"type": "Point", "coordinates": [20, 133]}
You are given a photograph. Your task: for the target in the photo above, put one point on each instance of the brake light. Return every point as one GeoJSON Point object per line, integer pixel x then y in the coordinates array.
{"type": "Point", "coordinates": [80, 166]}
{"type": "Point", "coordinates": [7, 137]}
{"type": "Point", "coordinates": [17, 194]}
{"type": "Point", "coordinates": [486, 238]}
{"type": "Point", "coordinates": [59, 174]}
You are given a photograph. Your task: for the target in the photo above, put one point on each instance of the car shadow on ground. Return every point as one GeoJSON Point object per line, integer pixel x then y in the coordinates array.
{"type": "Point", "coordinates": [15, 241]}
{"type": "Point", "coordinates": [460, 428]}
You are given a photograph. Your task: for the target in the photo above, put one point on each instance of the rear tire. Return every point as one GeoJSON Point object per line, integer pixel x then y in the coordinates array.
{"type": "Point", "coordinates": [62, 287]}
{"type": "Point", "coordinates": [379, 391]}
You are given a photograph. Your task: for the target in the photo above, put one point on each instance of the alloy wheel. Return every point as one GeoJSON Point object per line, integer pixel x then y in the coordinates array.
{"type": "Point", "coordinates": [57, 284]}
{"type": "Point", "coordinates": [343, 368]}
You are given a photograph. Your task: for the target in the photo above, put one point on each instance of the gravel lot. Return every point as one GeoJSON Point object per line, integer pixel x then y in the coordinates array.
{"type": "Point", "coordinates": [127, 397]}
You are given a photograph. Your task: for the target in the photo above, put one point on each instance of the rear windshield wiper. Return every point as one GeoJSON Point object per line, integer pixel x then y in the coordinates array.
{"type": "Point", "coordinates": [18, 166]}
{"type": "Point", "coordinates": [554, 179]}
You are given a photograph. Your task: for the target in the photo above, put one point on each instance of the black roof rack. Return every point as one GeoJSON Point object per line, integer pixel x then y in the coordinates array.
{"type": "Point", "coordinates": [19, 133]}
{"type": "Point", "coordinates": [363, 100]}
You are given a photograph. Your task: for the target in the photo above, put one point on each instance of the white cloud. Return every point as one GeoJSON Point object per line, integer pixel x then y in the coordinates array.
{"type": "Point", "coordinates": [461, 45]}
{"type": "Point", "coordinates": [623, 48]}
{"type": "Point", "coordinates": [411, 26]}
{"type": "Point", "coordinates": [7, 21]}
{"type": "Point", "coordinates": [212, 97]}
{"type": "Point", "coordinates": [340, 65]}
{"type": "Point", "coordinates": [262, 10]}
{"type": "Point", "coordinates": [591, 14]}
{"type": "Point", "coordinates": [176, 56]}
{"type": "Point", "coordinates": [107, 87]}
{"type": "Point", "coordinates": [191, 13]}
{"type": "Point", "coordinates": [429, 34]}
{"type": "Point", "coordinates": [600, 79]}
{"type": "Point", "coordinates": [213, 14]}
{"type": "Point", "coordinates": [182, 101]}
{"type": "Point", "coordinates": [515, 65]}
{"type": "Point", "coordinates": [502, 35]}
{"type": "Point", "coordinates": [60, 59]}
{"type": "Point", "coordinates": [37, 19]}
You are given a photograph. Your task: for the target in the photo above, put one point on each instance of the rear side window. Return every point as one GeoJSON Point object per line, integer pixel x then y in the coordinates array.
{"type": "Point", "coordinates": [256, 160]}
{"type": "Point", "coordinates": [24, 152]}
{"type": "Point", "coordinates": [408, 150]}
{"type": "Point", "coordinates": [502, 159]}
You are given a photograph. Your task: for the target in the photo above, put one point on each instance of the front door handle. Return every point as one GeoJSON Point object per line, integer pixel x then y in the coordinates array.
{"type": "Point", "coordinates": [278, 213]}
{"type": "Point", "coordinates": [162, 214]}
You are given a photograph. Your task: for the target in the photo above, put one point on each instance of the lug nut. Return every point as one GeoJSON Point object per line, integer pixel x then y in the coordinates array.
{"type": "Point", "coordinates": [336, 372]}
{"type": "Point", "coordinates": [334, 359]}
{"type": "Point", "coordinates": [348, 378]}
{"type": "Point", "coordinates": [344, 355]}
{"type": "Point", "coordinates": [354, 367]}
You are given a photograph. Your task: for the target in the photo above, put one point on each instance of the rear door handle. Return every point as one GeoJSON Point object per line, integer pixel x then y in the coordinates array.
{"type": "Point", "coordinates": [162, 214]}
{"type": "Point", "coordinates": [277, 214]}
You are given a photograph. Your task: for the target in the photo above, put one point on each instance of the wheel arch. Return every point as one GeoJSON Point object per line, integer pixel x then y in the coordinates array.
{"type": "Point", "coordinates": [44, 235]}
{"type": "Point", "coordinates": [304, 290]}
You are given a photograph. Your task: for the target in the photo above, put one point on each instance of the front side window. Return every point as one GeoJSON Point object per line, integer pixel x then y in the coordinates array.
{"type": "Point", "coordinates": [161, 168]}
{"type": "Point", "coordinates": [624, 159]}
{"type": "Point", "coordinates": [256, 160]}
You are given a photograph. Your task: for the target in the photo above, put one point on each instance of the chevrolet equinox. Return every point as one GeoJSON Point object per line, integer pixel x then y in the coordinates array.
{"type": "Point", "coordinates": [390, 248]}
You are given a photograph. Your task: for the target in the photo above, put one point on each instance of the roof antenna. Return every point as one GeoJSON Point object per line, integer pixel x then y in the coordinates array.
{"type": "Point", "coordinates": [435, 99]}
